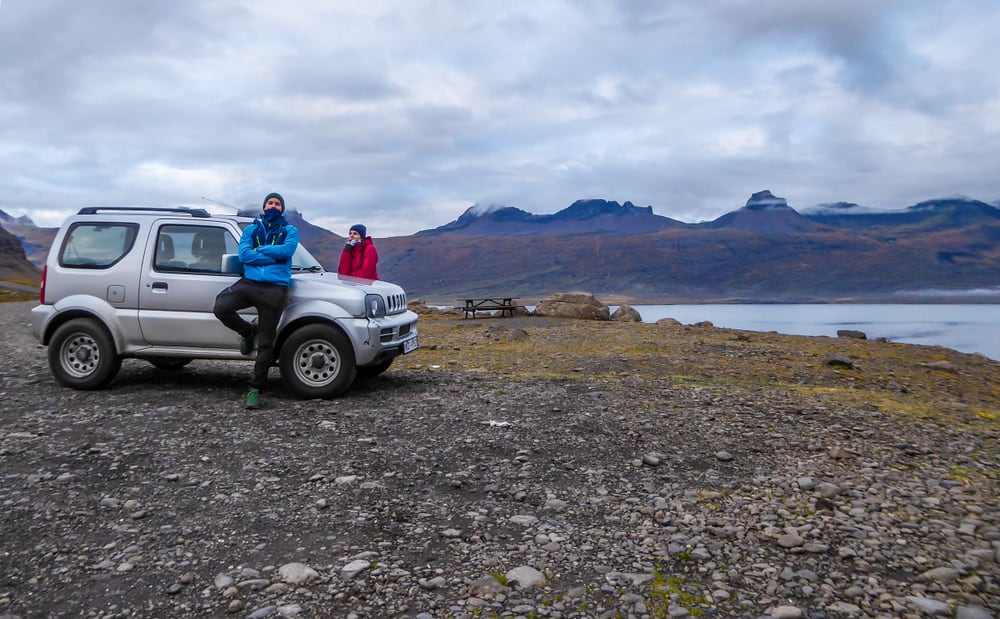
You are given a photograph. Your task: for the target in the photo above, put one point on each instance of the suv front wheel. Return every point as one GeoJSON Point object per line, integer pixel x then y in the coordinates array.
{"type": "Point", "coordinates": [317, 361]}
{"type": "Point", "coordinates": [82, 355]}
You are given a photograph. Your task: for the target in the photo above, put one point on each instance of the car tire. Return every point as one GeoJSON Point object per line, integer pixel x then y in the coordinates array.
{"type": "Point", "coordinates": [169, 363]}
{"type": "Point", "coordinates": [371, 371]}
{"type": "Point", "coordinates": [82, 355]}
{"type": "Point", "coordinates": [317, 361]}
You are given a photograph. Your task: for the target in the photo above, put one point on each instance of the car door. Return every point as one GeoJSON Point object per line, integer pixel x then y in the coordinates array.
{"type": "Point", "coordinates": [182, 274]}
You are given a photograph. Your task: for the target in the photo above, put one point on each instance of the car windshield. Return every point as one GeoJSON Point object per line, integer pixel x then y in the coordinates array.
{"type": "Point", "coordinates": [304, 261]}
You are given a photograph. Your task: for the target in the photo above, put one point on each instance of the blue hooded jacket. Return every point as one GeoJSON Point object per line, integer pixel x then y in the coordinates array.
{"type": "Point", "coordinates": [266, 251]}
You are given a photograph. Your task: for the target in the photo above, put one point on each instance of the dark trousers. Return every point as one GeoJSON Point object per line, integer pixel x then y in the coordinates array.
{"type": "Point", "coordinates": [270, 301]}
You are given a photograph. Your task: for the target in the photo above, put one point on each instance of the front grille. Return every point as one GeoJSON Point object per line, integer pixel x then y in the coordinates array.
{"type": "Point", "coordinates": [385, 335]}
{"type": "Point", "coordinates": [395, 303]}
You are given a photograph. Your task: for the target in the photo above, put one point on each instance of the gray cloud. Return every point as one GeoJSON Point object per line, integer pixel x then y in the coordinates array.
{"type": "Point", "coordinates": [402, 114]}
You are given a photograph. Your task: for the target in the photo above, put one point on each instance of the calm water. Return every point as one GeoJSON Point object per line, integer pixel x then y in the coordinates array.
{"type": "Point", "coordinates": [966, 328]}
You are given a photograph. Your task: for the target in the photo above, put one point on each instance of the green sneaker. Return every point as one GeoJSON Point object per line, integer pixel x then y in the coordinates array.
{"type": "Point", "coordinates": [253, 398]}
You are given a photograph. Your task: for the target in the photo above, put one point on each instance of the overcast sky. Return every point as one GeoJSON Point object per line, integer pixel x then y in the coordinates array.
{"type": "Point", "coordinates": [400, 114]}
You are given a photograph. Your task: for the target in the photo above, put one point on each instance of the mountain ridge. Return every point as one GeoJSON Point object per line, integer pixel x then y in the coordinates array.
{"type": "Point", "coordinates": [592, 216]}
{"type": "Point", "coordinates": [763, 251]}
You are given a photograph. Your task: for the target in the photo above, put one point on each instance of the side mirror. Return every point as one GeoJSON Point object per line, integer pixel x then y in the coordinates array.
{"type": "Point", "coordinates": [231, 264]}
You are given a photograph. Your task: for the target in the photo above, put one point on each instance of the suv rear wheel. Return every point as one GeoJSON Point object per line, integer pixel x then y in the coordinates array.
{"type": "Point", "coordinates": [317, 361]}
{"type": "Point", "coordinates": [82, 355]}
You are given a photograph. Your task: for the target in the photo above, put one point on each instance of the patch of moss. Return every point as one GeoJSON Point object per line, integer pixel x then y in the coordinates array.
{"type": "Point", "coordinates": [665, 591]}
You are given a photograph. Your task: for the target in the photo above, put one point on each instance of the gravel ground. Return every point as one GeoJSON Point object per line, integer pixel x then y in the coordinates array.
{"type": "Point", "coordinates": [446, 488]}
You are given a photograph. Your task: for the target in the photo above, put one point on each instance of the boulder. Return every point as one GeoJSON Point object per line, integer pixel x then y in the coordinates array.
{"type": "Point", "coordinates": [945, 366]}
{"type": "Point", "coordinates": [626, 313]}
{"type": "Point", "coordinates": [419, 306]}
{"type": "Point", "coordinates": [573, 305]}
{"type": "Point", "coordinates": [840, 361]}
{"type": "Point", "coordinates": [852, 333]}
{"type": "Point", "coordinates": [504, 334]}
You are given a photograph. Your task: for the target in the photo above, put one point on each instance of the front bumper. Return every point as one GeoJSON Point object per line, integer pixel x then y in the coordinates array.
{"type": "Point", "coordinates": [386, 337]}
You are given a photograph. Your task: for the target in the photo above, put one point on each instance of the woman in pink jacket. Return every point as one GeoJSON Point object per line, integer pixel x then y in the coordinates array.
{"type": "Point", "coordinates": [359, 258]}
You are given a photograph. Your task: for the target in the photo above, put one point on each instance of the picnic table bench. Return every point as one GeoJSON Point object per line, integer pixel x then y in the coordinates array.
{"type": "Point", "coordinates": [504, 304]}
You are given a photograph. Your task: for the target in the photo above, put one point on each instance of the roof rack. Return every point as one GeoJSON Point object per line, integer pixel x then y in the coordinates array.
{"type": "Point", "coordinates": [193, 212]}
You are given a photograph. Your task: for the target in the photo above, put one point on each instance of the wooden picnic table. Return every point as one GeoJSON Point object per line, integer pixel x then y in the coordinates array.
{"type": "Point", "coordinates": [504, 305]}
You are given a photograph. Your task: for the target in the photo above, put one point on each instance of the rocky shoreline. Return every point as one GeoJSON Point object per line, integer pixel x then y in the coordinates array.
{"type": "Point", "coordinates": [524, 467]}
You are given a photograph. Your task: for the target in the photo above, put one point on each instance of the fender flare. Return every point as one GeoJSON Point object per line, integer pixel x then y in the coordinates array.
{"type": "Point", "coordinates": [313, 311]}
{"type": "Point", "coordinates": [86, 306]}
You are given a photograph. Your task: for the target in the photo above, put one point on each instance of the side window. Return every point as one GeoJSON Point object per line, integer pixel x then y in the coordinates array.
{"type": "Point", "coordinates": [97, 245]}
{"type": "Point", "coordinates": [192, 248]}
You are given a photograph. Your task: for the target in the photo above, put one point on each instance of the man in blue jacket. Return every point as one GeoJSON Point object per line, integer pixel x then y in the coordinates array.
{"type": "Point", "coordinates": [266, 249]}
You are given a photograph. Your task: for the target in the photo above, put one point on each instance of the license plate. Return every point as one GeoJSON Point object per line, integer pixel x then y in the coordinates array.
{"type": "Point", "coordinates": [410, 345]}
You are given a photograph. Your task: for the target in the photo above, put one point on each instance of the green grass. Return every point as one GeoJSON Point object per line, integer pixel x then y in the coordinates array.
{"type": "Point", "coordinates": [16, 296]}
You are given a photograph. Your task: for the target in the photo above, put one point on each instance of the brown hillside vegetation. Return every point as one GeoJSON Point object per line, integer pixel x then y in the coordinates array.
{"type": "Point", "coordinates": [695, 263]}
{"type": "Point", "coordinates": [900, 379]}
{"type": "Point", "coordinates": [35, 241]}
{"type": "Point", "coordinates": [749, 255]}
{"type": "Point", "coordinates": [14, 266]}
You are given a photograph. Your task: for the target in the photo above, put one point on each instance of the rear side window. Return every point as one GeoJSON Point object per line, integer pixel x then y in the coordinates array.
{"type": "Point", "coordinates": [192, 248]}
{"type": "Point", "coordinates": [97, 245]}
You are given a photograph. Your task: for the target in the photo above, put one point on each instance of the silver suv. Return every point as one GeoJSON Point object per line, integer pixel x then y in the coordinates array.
{"type": "Point", "coordinates": [141, 282]}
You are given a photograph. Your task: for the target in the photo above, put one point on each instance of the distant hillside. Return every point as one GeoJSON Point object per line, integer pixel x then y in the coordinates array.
{"type": "Point", "coordinates": [762, 251]}
{"type": "Point", "coordinates": [35, 241]}
{"type": "Point", "coordinates": [697, 264]}
{"type": "Point", "coordinates": [14, 266]}
{"type": "Point", "coordinates": [931, 214]}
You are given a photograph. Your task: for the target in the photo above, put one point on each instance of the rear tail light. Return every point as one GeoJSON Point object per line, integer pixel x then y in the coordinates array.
{"type": "Point", "coordinates": [41, 289]}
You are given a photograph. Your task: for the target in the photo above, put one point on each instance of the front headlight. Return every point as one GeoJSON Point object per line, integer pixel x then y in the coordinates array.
{"type": "Point", "coordinates": [374, 305]}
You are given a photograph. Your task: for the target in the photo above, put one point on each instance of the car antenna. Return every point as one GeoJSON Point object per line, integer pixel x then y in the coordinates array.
{"type": "Point", "coordinates": [221, 203]}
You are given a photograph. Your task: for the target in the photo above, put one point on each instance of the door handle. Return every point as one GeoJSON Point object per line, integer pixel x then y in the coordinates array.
{"type": "Point", "coordinates": [159, 285]}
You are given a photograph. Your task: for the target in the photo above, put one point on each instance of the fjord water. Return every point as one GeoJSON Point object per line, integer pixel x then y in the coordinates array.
{"type": "Point", "coordinates": [970, 328]}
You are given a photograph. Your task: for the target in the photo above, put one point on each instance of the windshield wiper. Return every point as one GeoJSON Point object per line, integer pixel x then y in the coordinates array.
{"type": "Point", "coordinates": [312, 269]}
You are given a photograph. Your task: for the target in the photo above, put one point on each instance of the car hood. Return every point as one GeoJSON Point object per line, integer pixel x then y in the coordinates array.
{"type": "Point", "coordinates": [348, 292]}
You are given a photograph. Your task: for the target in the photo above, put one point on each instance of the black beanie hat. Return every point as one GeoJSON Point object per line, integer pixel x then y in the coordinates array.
{"type": "Point", "coordinates": [275, 195]}
{"type": "Point", "coordinates": [360, 229]}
